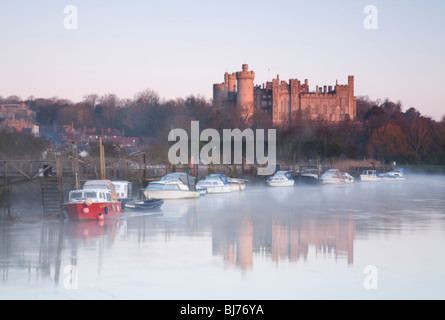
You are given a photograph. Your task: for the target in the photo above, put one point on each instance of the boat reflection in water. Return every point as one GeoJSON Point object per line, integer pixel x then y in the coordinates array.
{"type": "Point", "coordinates": [89, 230]}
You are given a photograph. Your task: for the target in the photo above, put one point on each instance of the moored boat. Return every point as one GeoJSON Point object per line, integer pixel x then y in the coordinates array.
{"type": "Point", "coordinates": [176, 185]}
{"type": "Point", "coordinates": [370, 176]}
{"type": "Point", "coordinates": [348, 178]}
{"type": "Point", "coordinates": [394, 175]}
{"type": "Point", "coordinates": [281, 179]}
{"type": "Point", "coordinates": [237, 184]}
{"type": "Point", "coordinates": [332, 176]}
{"type": "Point", "coordinates": [145, 205]}
{"type": "Point", "coordinates": [96, 201]}
{"type": "Point", "coordinates": [124, 190]}
{"type": "Point", "coordinates": [215, 183]}
{"type": "Point", "coordinates": [308, 176]}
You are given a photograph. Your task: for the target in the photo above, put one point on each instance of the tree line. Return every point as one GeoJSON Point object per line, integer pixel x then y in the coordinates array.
{"type": "Point", "coordinates": [382, 130]}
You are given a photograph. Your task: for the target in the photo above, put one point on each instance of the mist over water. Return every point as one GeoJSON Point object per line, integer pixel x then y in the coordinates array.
{"type": "Point", "coordinates": [302, 242]}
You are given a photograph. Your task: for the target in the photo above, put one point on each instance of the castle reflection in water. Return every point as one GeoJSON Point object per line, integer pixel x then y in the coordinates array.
{"type": "Point", "coordinates": [281, 241]}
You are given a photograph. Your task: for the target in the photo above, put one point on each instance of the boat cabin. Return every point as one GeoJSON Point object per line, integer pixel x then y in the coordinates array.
{"type": "Point", "coordinates": [370, 173]}
{"type": "Point", "coordinates": [283, 174]}
{"type": "Point", "coordinates": [332, 174]}
{"type": "Point", "coordinates": [124, 189]}
{"type": "Point", "coordinates": [95, 195]}
{"type": "Point", "coordinates": [214, 180]}
{"type": "Point", "coordinates": [101, 185]}
{"type": "Point", "coordinates": [174, 181]}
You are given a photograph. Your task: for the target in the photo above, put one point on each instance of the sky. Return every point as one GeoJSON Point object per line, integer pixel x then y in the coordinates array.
{"type": "Point", "coordinates": [179, 48]}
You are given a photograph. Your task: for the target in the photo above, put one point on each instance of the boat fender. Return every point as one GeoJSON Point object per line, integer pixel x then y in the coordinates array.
{"type": "Point", "coordinates": [88, 202]}
{"type": "Point", "coordinates": [86, 210]}
{"type": "Point", "coordinates": [100, 216]}
{"type": "Point", "coordinates": [106, 210]}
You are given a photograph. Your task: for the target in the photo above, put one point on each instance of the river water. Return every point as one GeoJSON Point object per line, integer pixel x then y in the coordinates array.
{"type": "Point", "coordinates": [363, 241]}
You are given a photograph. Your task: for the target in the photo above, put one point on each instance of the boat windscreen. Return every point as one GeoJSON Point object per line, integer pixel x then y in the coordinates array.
{"type": "Point", "coordinates": [76, 195]}
{"type": "Point", "coordinates": [90, 194]}
{"type": "Point", "coordinates": [221, 177]}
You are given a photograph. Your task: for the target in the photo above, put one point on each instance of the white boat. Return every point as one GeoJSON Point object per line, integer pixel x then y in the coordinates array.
{"type": "Point", "coordinates": [281, 179]}
{"type": "Point", "coordinates": [370, 176]}
{"type": "Point", "coordinates": [348, 178]}
{"type": "Point", "coordinates": [237, 184]}
{"type": "Point", "coordinates": [176, 185]}
{"type": "Point", "coordinates": [394, 175]}
{"type": "Point", "coordinates": [215, 183]}
{"type": "Point", "coordinates": [332, 176]}
{"type": "Point", "coordinates": [124, 190]}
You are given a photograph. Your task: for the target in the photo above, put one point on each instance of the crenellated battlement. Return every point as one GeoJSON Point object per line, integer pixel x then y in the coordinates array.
{"type": "Point", "coordinates": [245, 74]}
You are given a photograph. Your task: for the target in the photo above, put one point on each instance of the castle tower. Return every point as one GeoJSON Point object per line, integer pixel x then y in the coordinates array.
{"type": "Point", "coordinates": [224, 92]}
{"type": "Point", "coordinates": [352, 102]}
{"type": "Point", "coordinates": [245, 97]}
{"type": "Point", "coordinates": [220, 94]}
{"type": "Point", "coordinates": [231, 82]}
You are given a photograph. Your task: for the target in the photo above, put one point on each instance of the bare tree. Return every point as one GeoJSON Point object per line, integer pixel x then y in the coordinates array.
{"type": "Point", "coordinates": [440, 134]}
{"type": "Point", "coordinates": [91, 99]}
{"type": "Point", "coordinates": [147, 97]}
{"type": "Point", "coordinates": [12, 99]}
{"type": "Point", "coordinates": [109, 100]}
{"type": "Point", "coordinates": [419, 133]}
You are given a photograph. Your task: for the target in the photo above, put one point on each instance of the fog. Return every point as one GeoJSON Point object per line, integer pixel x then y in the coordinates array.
{"type": "Point", "coordinates": [306, 241]}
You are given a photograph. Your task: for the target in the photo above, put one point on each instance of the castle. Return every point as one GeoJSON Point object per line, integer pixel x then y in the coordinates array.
{"type": "Point", "coordinates": [284, 100]}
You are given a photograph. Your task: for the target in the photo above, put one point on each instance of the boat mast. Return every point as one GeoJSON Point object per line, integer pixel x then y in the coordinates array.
{"type": "Point", "coordinates": [102, 160]}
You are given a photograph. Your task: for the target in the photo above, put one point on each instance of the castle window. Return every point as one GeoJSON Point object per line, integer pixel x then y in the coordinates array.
{"type": "Point", "coordinates": [333, 110]}
{"type": "Point", "coordinates": [316, 110]}
{"type": "Point", "coordinates": [325, 109]}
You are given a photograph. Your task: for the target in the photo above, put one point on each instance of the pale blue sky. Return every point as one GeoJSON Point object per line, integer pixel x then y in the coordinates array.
{"type": "Point", "coordinates": [178, 48]}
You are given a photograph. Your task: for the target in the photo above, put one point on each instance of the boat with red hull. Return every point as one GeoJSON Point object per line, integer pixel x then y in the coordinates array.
{"type": "Point", "coordinates": [96, 201]}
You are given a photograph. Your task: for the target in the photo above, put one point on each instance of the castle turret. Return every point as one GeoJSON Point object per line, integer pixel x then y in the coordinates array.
{"type": "Point", "coordinates": [231, 81]}
{"type": "Point", "coordinates": [245, 97]}
{"type": "Point", "coordinates": [351, 99]}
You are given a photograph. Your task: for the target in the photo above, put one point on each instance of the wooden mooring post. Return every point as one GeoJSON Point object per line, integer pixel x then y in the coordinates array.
{"type": "Point", "coordinates": [5, 199]}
